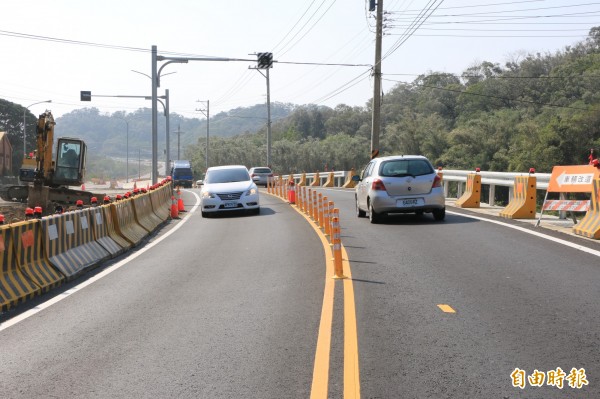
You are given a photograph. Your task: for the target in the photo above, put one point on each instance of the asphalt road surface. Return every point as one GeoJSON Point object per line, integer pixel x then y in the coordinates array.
{"type": "Point", "coordinates": [521, 302]}
{"type": "Point", "coordinates": [230, 307]}
{"type": "Point", "coordinates": [226, 307]}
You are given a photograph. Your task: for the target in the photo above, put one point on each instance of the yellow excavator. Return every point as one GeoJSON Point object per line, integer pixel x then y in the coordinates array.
{"type": "Point", "coordinates": [49, 179]}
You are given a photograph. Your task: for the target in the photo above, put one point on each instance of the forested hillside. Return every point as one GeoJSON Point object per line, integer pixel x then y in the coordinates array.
{"type": "Point", "coordinates": [537, 110]}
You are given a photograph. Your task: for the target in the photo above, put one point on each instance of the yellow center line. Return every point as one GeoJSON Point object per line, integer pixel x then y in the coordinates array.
{"type": "Point", "coordinates": [351, 369]}
{"type": "Point", "coordinates": [320, 383]}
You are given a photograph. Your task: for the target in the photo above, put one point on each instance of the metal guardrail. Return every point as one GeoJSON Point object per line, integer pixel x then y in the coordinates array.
{"type": "Point", "coordinates": [489, 180]}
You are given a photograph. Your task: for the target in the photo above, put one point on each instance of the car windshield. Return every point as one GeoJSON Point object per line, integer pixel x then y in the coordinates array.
{"type": "Point", "coordinates": [226, 176]}
{"type": "Point", "coordinates": [405, 167]}
{"type": "Point", "coordinates": [182, 172]}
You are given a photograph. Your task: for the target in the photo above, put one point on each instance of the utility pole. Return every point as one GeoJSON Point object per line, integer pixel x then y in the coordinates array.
{"type": "Point", "coordinates": [154, 98]}
{"type": "Point", "coordinates": [207, 114]}
{"type": "Point", "coordinates": [167, 114]}
{"type": "Point", "coordinates": [376, 126]}
{"type": "Point", "coordinates": [265, 61]}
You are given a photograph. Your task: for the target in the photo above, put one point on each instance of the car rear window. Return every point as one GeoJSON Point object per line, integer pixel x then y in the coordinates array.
{"type": "Point", "coordinates": [226, 176]}
{"type": "Point", "coordinates": [261, 170]}
{"type": "Point", "coordinates": [405, 167]}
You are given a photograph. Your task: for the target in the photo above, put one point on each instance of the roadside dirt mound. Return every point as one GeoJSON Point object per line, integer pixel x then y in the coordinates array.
{"type": "Point", "coordinates": [13, 211]}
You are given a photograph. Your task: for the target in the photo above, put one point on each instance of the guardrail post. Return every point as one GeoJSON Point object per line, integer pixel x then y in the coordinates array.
{"type": "Point", "coordinates": [492, 195]}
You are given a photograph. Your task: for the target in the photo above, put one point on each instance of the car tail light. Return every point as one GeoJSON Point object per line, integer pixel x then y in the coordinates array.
{"type": "Point", "coordinates": [437, 182]}
{"type": "Point", "coordinates": [377, 185]}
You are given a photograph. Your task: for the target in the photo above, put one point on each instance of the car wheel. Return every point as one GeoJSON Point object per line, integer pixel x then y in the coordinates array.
{"type": "Point", "coordinates": [439, 214]}
{"type": "Point", "coordinates": [374, 217]}
{"type": "Point", "coordinates": [256, 211]}
{"type": "Point", "coordinates": [359, 212]}
{"type": "Point", "coordinates": [204, 214]}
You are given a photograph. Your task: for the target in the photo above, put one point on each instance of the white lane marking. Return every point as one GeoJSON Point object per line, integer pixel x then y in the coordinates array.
{"type": "Point", "coordinates": [533, 233]}
{"type": "Point", "coordinates": [524, 230]}
{"type": "Point", "coordinates": [105, 272]}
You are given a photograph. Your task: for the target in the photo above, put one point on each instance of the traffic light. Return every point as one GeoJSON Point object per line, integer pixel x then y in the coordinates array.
{"type": "Point", "coordinates": [265, 60]}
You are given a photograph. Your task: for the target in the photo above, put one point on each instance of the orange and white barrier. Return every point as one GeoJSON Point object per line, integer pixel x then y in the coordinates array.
{"type": "Point", "coordinates": [349, 182]}
{"type": "Point", "coordinates": [522, 205]}
{"type": "Point", "coordinates": [472, 196]}
{"type": "Point", "coordinates": [316, 180]}
{"type": "Point", "coordinates": [336, 242]}
{"type": "Point", "coordinates": [330, 180]}
{"type": "Point", "coordinates": [566, 205]}
{"type": "Point", "coordinates": [589, 226]}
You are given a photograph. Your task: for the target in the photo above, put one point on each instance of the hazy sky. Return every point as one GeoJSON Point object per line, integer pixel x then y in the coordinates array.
{"type": "Point", "coordinates": [54, 49]}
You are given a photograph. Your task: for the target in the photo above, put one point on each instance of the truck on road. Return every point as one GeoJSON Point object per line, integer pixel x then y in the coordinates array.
{"type": "Point", "coordinates": [181, 173]}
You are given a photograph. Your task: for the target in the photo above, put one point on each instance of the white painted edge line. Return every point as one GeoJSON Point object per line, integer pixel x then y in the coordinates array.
{"type": "Point", "coordinates": [105, 272]}
{"type": "Point", "coordinates": [524, 230]}
{"type": "Point", "coordinates": [533, 233]}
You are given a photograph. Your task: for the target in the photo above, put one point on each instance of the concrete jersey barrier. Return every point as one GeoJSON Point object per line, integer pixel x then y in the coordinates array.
{"type": "Point", "coordinates": [100, 228]}
{"type": "Point", "coordinates": [123, 217]}
{"type": "Point", "coordinates": [31, 257]}
{"type": "Point", "coordinates": [69, 243]}
{"type": "Point", "coordinates": [144, 215]}
{"type": "Point", "coordinates": [15, 286]}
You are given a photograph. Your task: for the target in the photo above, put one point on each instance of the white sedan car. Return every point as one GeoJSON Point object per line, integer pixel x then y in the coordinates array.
{"type": "Point", "coordinates": [228, 188]}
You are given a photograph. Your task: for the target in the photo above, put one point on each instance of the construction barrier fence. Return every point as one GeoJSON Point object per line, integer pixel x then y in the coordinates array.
{"type": "Point", "coordinates": [589, 226]}
{"type": "Point", "coordinates": [523, 202]}
{"type": "Point", "coordinates": [40, 254]}
{"type": "Point", "coordinates": [472, 195]}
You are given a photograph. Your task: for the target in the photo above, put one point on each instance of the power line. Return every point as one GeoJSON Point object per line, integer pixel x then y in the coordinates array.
{"type": "Point", "coordinates": [509, 11]}
{"type": "Point", "coordinates": [416, 24]}
{"type": "Point", "coordinates": [293, 27]}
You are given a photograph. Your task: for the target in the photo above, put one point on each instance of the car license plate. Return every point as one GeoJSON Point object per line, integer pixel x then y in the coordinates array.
{"type": "Point", "coordinates": [230, 205]}
{"type": "Point", "coordinates": [409, 202]}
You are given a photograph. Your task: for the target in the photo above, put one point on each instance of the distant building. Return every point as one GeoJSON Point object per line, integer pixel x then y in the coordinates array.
{"type": "Point", "coordinates": [6, 155]}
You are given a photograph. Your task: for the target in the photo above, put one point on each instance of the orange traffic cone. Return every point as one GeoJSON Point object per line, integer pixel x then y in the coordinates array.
{"type": "Point", "coordinates": [174, 210]}
{"type": "Point", "coordinates": [83, 187]}
{"type": "Point", "coordinates": [180, 206]}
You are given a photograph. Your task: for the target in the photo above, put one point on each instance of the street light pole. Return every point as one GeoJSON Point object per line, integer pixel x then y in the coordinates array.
{"type": "Point", "coordinates": [154, 173]}
{"type": "Point", "coordinates": [127, 165]}
{"type": "Point", "coordinates": [24, 122]}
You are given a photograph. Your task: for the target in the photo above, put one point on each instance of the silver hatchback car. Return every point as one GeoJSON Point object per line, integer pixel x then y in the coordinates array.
{"type": "Point", "coordinates": [399, 184]}
{"type": "Point", "coordinates": [261, 175]}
